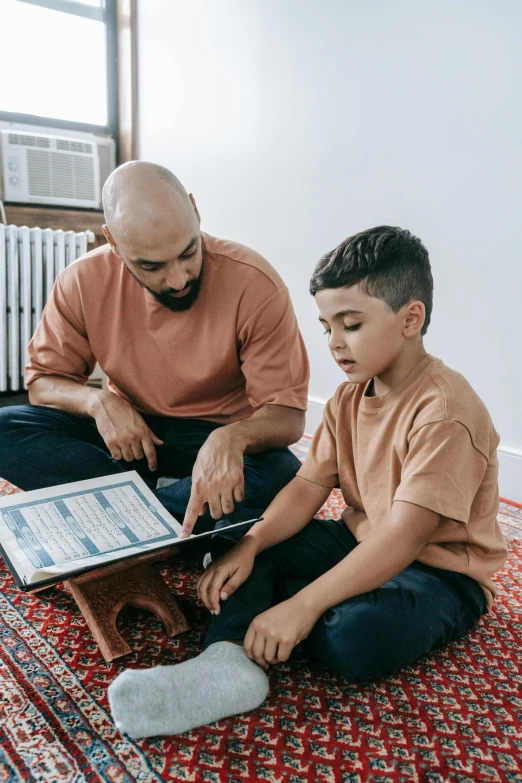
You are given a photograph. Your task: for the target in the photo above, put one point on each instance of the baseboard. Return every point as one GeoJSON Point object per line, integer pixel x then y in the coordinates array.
{"type": "Point", "coordinates": [314, 414]}
{"type": "Point", "coordinates": [510, 460]}
{"type": "Point", "coordinates": [510, 473]}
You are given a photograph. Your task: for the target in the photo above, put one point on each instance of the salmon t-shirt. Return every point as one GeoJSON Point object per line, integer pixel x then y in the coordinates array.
{"type": "Point", "coordinates": [430, 442]}
{"type": "Point", "coordinates": [236, 349]}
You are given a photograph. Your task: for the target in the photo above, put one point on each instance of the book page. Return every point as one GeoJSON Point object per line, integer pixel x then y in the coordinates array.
{"type": "Point", "coordinates": [59, 529]}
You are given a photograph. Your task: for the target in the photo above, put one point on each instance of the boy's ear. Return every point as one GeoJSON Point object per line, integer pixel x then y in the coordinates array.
{"type": "Point", "coordinates": [414, 315]}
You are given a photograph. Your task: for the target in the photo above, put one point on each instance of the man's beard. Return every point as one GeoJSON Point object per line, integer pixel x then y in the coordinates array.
{"type": "Point", "coordinates": [178, 304]}
{"type": "Point", "coordinates": [165, 298]}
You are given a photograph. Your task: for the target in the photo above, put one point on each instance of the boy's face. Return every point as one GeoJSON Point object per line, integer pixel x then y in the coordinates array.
{"type": "Point", "coordinates": [365, 336]}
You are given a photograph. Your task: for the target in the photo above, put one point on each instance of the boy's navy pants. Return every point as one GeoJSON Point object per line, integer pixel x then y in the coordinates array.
{"type": "Point", "coordinates": [370, 635]}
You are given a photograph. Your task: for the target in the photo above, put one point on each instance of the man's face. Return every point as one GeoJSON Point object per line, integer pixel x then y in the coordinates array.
{"type": "Point", "coordinates": [365, 336]}
{"type": "Point", "coordinates": [165, 257]}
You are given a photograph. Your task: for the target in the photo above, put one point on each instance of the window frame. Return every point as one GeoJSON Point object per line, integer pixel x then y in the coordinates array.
{"type": "Point", "coordinates": [107, 13]}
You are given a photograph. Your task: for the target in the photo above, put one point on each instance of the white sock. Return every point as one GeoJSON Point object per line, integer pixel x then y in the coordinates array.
{"type": "Point", "coordinates": [220, 682]}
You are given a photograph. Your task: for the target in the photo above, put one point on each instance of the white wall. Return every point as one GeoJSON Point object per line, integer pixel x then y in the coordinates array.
{"type": "Point", "coordinates": [298, 122]}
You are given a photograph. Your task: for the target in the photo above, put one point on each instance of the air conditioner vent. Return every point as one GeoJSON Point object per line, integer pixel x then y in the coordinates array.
{"type": "Point", "coordinates": [54, 174]}
{"type": "Point", "coordinates": [73, 146]}
{"type": "Point", "coordinates": [39, 173]}
{"type": "Point", "coordinates": [29, 141]}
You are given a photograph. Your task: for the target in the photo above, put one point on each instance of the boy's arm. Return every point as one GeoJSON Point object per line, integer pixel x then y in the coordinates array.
{"type": "Point", "coordinates": [374, 561]}
{"type": "Point", "coordinates": [290, 511]}
{"type": "Point", "coordinates": [273, 634]}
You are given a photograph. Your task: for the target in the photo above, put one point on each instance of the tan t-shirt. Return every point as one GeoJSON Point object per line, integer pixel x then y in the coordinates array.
{"type": "Point", "coordinates": [430, 442]}
{"type": "Point", "coordinates": [236, 349]}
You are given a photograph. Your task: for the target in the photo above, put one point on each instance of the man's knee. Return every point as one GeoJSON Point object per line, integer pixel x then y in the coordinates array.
{"type": "Point", "coordinates": [287, 463]}
{"type": "Point", "coordinates": [221, 543]}
{"type": "Point", "coordinates": [267, 473]}
{"type": "Point", "coordinates": [20, 423]}
{"type": "Point", "coordinates": [10, 417]}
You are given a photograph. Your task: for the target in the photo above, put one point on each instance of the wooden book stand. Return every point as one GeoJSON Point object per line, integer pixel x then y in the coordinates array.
{"type": "Point", "coordinates": [102, 593]}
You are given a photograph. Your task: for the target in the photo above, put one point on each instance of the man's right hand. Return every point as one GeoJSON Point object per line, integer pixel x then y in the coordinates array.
{"type": "Point", "coordinates": [124, 431]}
{"type": "Point", "coordinates": [223, 577]}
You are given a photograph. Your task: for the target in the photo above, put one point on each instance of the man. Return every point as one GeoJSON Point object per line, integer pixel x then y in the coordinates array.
{"type": "Point", "coordinates": [207, 369]}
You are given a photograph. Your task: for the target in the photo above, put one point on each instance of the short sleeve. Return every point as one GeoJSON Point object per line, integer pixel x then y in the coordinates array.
{"type": "Point", "coordinates": [443, 470]}
{"type": "Point", "coordinates": [272, 355]}
{"type": "Point", "coordinates": [320, 465]}
{"type": "Point", "coordinates": [60, 345]}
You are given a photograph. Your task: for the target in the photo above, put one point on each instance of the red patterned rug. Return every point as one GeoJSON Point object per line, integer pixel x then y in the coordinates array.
{"type": "Point", "coordinates": [455, 717]}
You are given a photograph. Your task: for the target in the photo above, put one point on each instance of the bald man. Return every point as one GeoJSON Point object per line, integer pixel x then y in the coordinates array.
{"type": "Point", "coordinates": [207, 372]}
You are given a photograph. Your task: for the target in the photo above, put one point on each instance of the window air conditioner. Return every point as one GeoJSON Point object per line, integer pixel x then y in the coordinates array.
{"type": "Point", "coordinates": [39, 168]}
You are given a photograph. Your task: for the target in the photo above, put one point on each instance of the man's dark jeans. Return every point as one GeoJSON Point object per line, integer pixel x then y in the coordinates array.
{"type": "Point", "coordinates": [42, 447]}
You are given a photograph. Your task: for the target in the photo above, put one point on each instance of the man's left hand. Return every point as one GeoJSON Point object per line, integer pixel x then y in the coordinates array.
{"type": "Point", "coordinates": [217, 479]}
{"type": "Point", "coordinates": [273, 634]}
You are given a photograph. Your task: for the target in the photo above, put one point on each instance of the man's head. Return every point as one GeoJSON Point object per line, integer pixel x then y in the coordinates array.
{"type": "Point", "coordinates": [374, 292]}
{"type": "Point", "coordinates": [152, 224]}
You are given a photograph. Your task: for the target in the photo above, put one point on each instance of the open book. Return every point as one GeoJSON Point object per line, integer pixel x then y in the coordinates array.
{"type": "Point", "coordinates": [49, 535]}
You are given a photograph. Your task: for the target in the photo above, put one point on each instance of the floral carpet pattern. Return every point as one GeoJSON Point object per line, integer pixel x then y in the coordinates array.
{"type": "Point", "coordinates": [454, 717]}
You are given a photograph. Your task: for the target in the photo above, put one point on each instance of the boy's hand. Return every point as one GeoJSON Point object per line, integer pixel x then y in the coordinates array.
{"type": "Point", "coordinates": [273, 634]}
{"type": "Point", "coordinates": [223, 577]}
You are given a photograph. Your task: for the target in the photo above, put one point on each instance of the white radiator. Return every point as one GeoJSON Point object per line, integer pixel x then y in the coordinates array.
{"type": "Point", "coordinates": [30, 260]}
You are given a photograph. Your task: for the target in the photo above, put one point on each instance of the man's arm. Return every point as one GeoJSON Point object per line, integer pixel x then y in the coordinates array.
{"type": "Point", "coordinates": [275, 367]}
{"type": "Point", "coordinates": [51, 391]}
{"type": "Point", "coordinates": [124, 431]}
{"type": "Point", "coordinates": [270, 427]}
{"type": "Point", "coordinates": [217, 477]}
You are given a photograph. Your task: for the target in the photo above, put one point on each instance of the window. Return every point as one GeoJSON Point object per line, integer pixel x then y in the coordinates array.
{"type": "Point", "coordinates": [58, 63]}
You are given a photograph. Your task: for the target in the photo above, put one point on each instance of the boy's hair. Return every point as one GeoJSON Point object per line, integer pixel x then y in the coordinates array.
{"type": "Point", "coordinates": [392, 265]}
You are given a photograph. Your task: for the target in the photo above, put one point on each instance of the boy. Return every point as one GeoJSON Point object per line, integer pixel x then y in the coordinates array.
{"type": "Point", "coordinates": [407, 568]}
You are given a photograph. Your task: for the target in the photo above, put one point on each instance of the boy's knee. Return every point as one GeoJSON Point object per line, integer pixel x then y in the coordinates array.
{"type": "Point", "coordinates": [358, 644]}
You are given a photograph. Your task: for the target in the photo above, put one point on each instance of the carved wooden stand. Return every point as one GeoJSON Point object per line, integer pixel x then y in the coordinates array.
{"type": "Point", "coordinates": [101, 595]}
